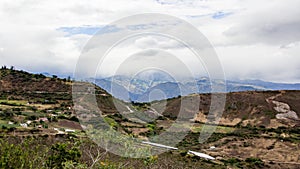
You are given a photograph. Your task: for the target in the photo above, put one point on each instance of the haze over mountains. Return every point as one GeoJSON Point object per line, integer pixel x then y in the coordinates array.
{"type": "Point", "coordinates": [158, 86]}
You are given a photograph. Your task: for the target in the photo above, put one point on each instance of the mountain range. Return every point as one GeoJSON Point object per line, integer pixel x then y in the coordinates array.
{"type": "Point", "coordinates": [159, 86]}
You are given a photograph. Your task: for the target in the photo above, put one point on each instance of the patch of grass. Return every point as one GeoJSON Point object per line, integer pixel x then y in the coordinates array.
{"type": "Point", "coordinates": [28, 114]}
{"type": "Point", "coordinates": [111, 122]}
{"type": "Point", "coordinates": [219, 129]}
{"type": "Point", "coordinates": [7, 126]}
{"type": "Point", "coordinates": [13, 102]}
{"type": "Point", "coordinates": [254, 161]}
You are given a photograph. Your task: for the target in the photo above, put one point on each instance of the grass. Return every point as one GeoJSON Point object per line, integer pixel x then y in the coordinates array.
{"type": "Point", "coordinates": [33, 114]}
{"type": "Point", "coordinates": [43, 106]}
{"type": "Point", "coordinates": [3, 121]}
{"type": "Point", "coordinates": [185, 125]}
{"type": "Point", "coordinates": [9, 125]}
{"type": "Point", "coordinates": [5, 124]}
{"type": "Point", "coordinates": [111, 121]}
{"type": "Point", "coordinates": [17, 102]}
{"type": "Point", "coordinates": [7, 104]}
{"type": "Point", "coordinates": [219, 129]}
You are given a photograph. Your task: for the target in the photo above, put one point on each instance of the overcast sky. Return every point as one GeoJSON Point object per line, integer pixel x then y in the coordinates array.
{"type": "Point", "coordinates": [254, 39]}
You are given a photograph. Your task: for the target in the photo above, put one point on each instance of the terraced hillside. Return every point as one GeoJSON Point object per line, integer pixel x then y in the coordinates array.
{"type": "Point", "coordinates": [34, 103]}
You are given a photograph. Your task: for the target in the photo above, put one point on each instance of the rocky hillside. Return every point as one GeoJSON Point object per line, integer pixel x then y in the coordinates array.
{"type": "Point", "coordinates": [255, 108]}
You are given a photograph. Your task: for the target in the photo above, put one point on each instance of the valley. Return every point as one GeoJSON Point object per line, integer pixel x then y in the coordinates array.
{"type": "Point", "coordinates": [258, 129]}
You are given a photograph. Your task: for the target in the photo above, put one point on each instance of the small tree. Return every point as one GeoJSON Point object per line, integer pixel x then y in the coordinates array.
{"type": "Point", "coordinates": [62, 153]}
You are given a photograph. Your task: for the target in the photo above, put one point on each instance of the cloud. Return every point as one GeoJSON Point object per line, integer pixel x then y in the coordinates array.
{"type": "Point", "coordinates": [154, 59]}
{"type": "Point", "coordinates": [128, 58]}
{"type": "Point", "coordinates": [157, 42]}
{"type": "Point", "coordinates": [253, 38]}
{"type": "Point", "coordinates": [254, 62]}
{"type": "Point", "coordinates": [39, 49]}
{"type": "Point", "coordinates": [274, 23]}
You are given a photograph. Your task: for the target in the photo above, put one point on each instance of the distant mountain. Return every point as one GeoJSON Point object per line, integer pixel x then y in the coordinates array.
{"type": "Point", "coordinates": [60, 75]}
{"type": "Point", "coordinates": [157, 86]}
{"type": "Point", "coordinates": [271, 85]}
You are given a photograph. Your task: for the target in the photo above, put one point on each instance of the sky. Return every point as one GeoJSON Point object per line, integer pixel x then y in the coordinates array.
{"type": "Point", "coordinates": [253, 39]}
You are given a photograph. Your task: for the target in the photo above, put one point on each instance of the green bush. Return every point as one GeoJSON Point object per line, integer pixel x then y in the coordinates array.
{"type": "Point", "coordinates": [62, 153]}
{"type": "Point", "coordinates": [254, 161]}
{"type": "Point", "coordinates": [23, 155]}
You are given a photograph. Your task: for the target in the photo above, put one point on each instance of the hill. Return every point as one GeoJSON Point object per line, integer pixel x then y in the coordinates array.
{"type": "Point", "coordinates": [20, 81]}
{"type": "Point", "coordinates": [255, 108]}
{"type": "Point", "coordinates": [258, 129]}
{"type": "Point", "coordinates": [36, 102]}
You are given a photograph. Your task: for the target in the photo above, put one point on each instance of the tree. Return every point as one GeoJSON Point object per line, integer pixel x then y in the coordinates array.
{"type": "Point", "coordinates": [62, 153]}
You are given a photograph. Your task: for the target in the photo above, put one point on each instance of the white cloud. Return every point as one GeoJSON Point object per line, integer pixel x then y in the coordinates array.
{"type": "Point", "coordinates": [152, 42]}
{"type": "Point", "coordinates": [39, 49]}
{"type": "Point", "coordinates": [276, 22]}
{"type": "Point", "coordinates": [259, 39]}
{"type": "Point", "coordinates": [254, 62]}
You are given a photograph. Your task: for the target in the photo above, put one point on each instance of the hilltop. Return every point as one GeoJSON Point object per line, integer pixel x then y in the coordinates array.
{"type": "Point", "coordinates": [20, 81]}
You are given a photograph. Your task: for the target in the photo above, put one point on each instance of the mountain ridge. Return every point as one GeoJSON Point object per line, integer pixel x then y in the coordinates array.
{"type": "Point", "coordinates": [139, 90]}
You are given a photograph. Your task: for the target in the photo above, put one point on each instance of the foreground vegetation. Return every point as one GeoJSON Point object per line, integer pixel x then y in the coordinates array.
{"type": "Point", "coordinates": [67, 151]}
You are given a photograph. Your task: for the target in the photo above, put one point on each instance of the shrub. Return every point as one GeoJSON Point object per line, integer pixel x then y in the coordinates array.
{"type": "Point", "coordinates": [254, 161]}
{"type": "Point", "coordinates": [62, 153]}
